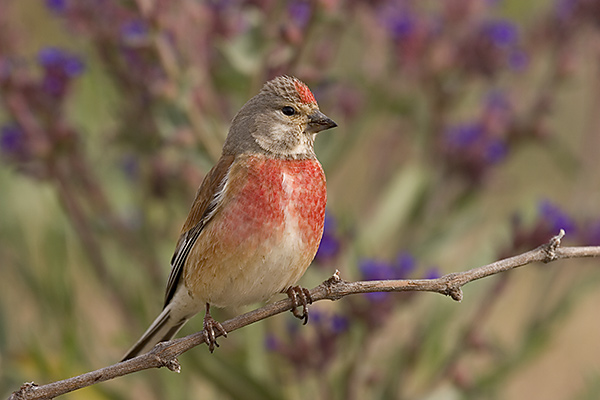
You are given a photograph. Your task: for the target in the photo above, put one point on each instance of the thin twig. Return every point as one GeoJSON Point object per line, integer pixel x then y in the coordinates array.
{"type": "Point", "coordinates": [165, 354]}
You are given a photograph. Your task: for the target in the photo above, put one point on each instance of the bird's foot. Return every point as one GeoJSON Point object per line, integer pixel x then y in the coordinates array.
{"type": "Point", "coordinates": [212, 328]}
{"type": "Point", "coordinates": [300, 297]}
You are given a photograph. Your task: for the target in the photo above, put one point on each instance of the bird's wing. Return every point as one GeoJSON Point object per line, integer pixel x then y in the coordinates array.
{"type": "Point", "coordinates": [205, 204]}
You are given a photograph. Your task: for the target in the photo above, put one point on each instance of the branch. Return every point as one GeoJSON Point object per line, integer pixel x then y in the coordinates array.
{"type": "Point", "coordinates": [165, 354]}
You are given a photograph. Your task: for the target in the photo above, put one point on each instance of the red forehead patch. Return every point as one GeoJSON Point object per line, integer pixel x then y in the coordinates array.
{"type": "Point", "coordinates": [305, 94]}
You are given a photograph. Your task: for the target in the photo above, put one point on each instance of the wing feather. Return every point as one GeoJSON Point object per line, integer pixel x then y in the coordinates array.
{"type": "Point", "coordinates": [205, 204]}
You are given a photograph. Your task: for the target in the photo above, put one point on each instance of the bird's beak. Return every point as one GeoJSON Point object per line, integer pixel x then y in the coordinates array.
{"type": "Point", "coordinates": [317, 122]}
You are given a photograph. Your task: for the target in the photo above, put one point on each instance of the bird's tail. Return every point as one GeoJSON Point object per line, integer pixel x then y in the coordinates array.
{"type": "Point", "coordinates": [162, 329]}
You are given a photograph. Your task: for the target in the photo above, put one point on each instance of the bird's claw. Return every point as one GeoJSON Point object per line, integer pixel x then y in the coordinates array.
{"type": "Point", "coordinates": [212, 327]}
{"type": "Point", "coordinates": [300, 297]}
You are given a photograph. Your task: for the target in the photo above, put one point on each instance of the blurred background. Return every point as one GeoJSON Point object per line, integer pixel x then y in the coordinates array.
{"type": "Point", "coordinates": [469, 130]}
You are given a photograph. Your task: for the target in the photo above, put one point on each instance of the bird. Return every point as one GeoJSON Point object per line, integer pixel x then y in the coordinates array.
{"type": "Point", "coordinates": [257, 218]}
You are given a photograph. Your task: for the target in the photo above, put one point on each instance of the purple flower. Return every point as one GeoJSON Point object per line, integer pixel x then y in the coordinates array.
{"type": "Point", "coordinates": [330, 323]}
{"type": "Point", "coordinates": [402, 26]}
{"type": "Point", "coordinates": [60, 66]}
{"type": "Point", "coordinates": [497, 100]}
{"type": "Point", "coordinates": [330, 223]}
{"type": "Point", "coordinates": [339, 324]}
{"type": "Point", "coordinates": [405, 264]}
{"type": "Point", "coordinates": [61, 61]}
{"type": "Point", "coordinates": [495, 151]}
{"type": "Point", "coordinates": [134, 31]}
{"type": "Point", "coordinates": [432, 273]}
{"type": "Point", "coordinates": [316, 316]}
{"type": "Point", "coordinates": [375, 270]}
{"type": "Point", "coordinates": [555, 217]}
{"type": "Point", "coordinates": [328, 248]}
{"type": "Point", "coordinates": [518, 60]}
{"type": "Point", "coordinates": [300, 12]}
{"type": "Point", "coordinates": [56, 6]}
{"type": "Point", "coordinates": [565, 8]}
{"type": "Point", "coordinates": [377, 297]}
{"type": "Point", "coordinates": [399, 20]}
{"type": "Point", "coordinates": [591, 234]}
{"type": "Point", "coordinates": [502, 33]}
{"type": "Point", "coordinates": [330, 244]}
{"type": "Point", "coordinates": [73, 66]}
{"type": "Point", "coordinates": [12, 139]}
{"type": "Point", "coordinates": [53, 58]}
{"type": "Point", "coordinates": [473, 139]}
{"type": "Point", "coordinates": [272, 343]}
{"type": "Point", "coordinates": [49, 56]}
{"type": "Point", "coordinates": [464, 135]}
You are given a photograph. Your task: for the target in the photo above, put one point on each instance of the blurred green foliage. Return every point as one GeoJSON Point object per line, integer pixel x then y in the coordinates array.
{"type": "Point", "coordinates": [468, 131]}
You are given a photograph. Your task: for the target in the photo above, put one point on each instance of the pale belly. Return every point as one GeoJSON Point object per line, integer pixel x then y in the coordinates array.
{"type": "Point", "coordinates": [254, 271]}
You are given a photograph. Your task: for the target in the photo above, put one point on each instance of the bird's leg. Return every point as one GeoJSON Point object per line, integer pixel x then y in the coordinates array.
{"type": "Point", "coordinates": [211, 328]}
{"type": "Point", "coordinates": [300, 297]}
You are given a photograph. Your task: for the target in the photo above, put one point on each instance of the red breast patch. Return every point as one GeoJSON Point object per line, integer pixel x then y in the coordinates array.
{"type": "Point", "coordinates": [264, 191]}
{"type": "Point", "coordinates": [305, 94]}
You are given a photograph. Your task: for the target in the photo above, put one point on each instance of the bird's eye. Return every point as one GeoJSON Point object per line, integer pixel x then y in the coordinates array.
{"type": "Point", "coordinates": [287, 110]}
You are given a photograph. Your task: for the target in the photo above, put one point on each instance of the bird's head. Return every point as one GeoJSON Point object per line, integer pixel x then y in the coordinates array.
{"type": "Point", "coordinates": [282, 120]}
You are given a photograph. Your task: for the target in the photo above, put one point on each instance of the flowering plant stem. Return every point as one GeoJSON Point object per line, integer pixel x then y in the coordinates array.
{"type": "Point", "coordinates": [165, 354]}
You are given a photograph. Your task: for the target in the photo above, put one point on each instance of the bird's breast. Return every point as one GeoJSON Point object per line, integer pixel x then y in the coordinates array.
{"type": "Point", "coordinates": [266, 232]}
{"type": "Point", "coordinates": [275, 194]}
